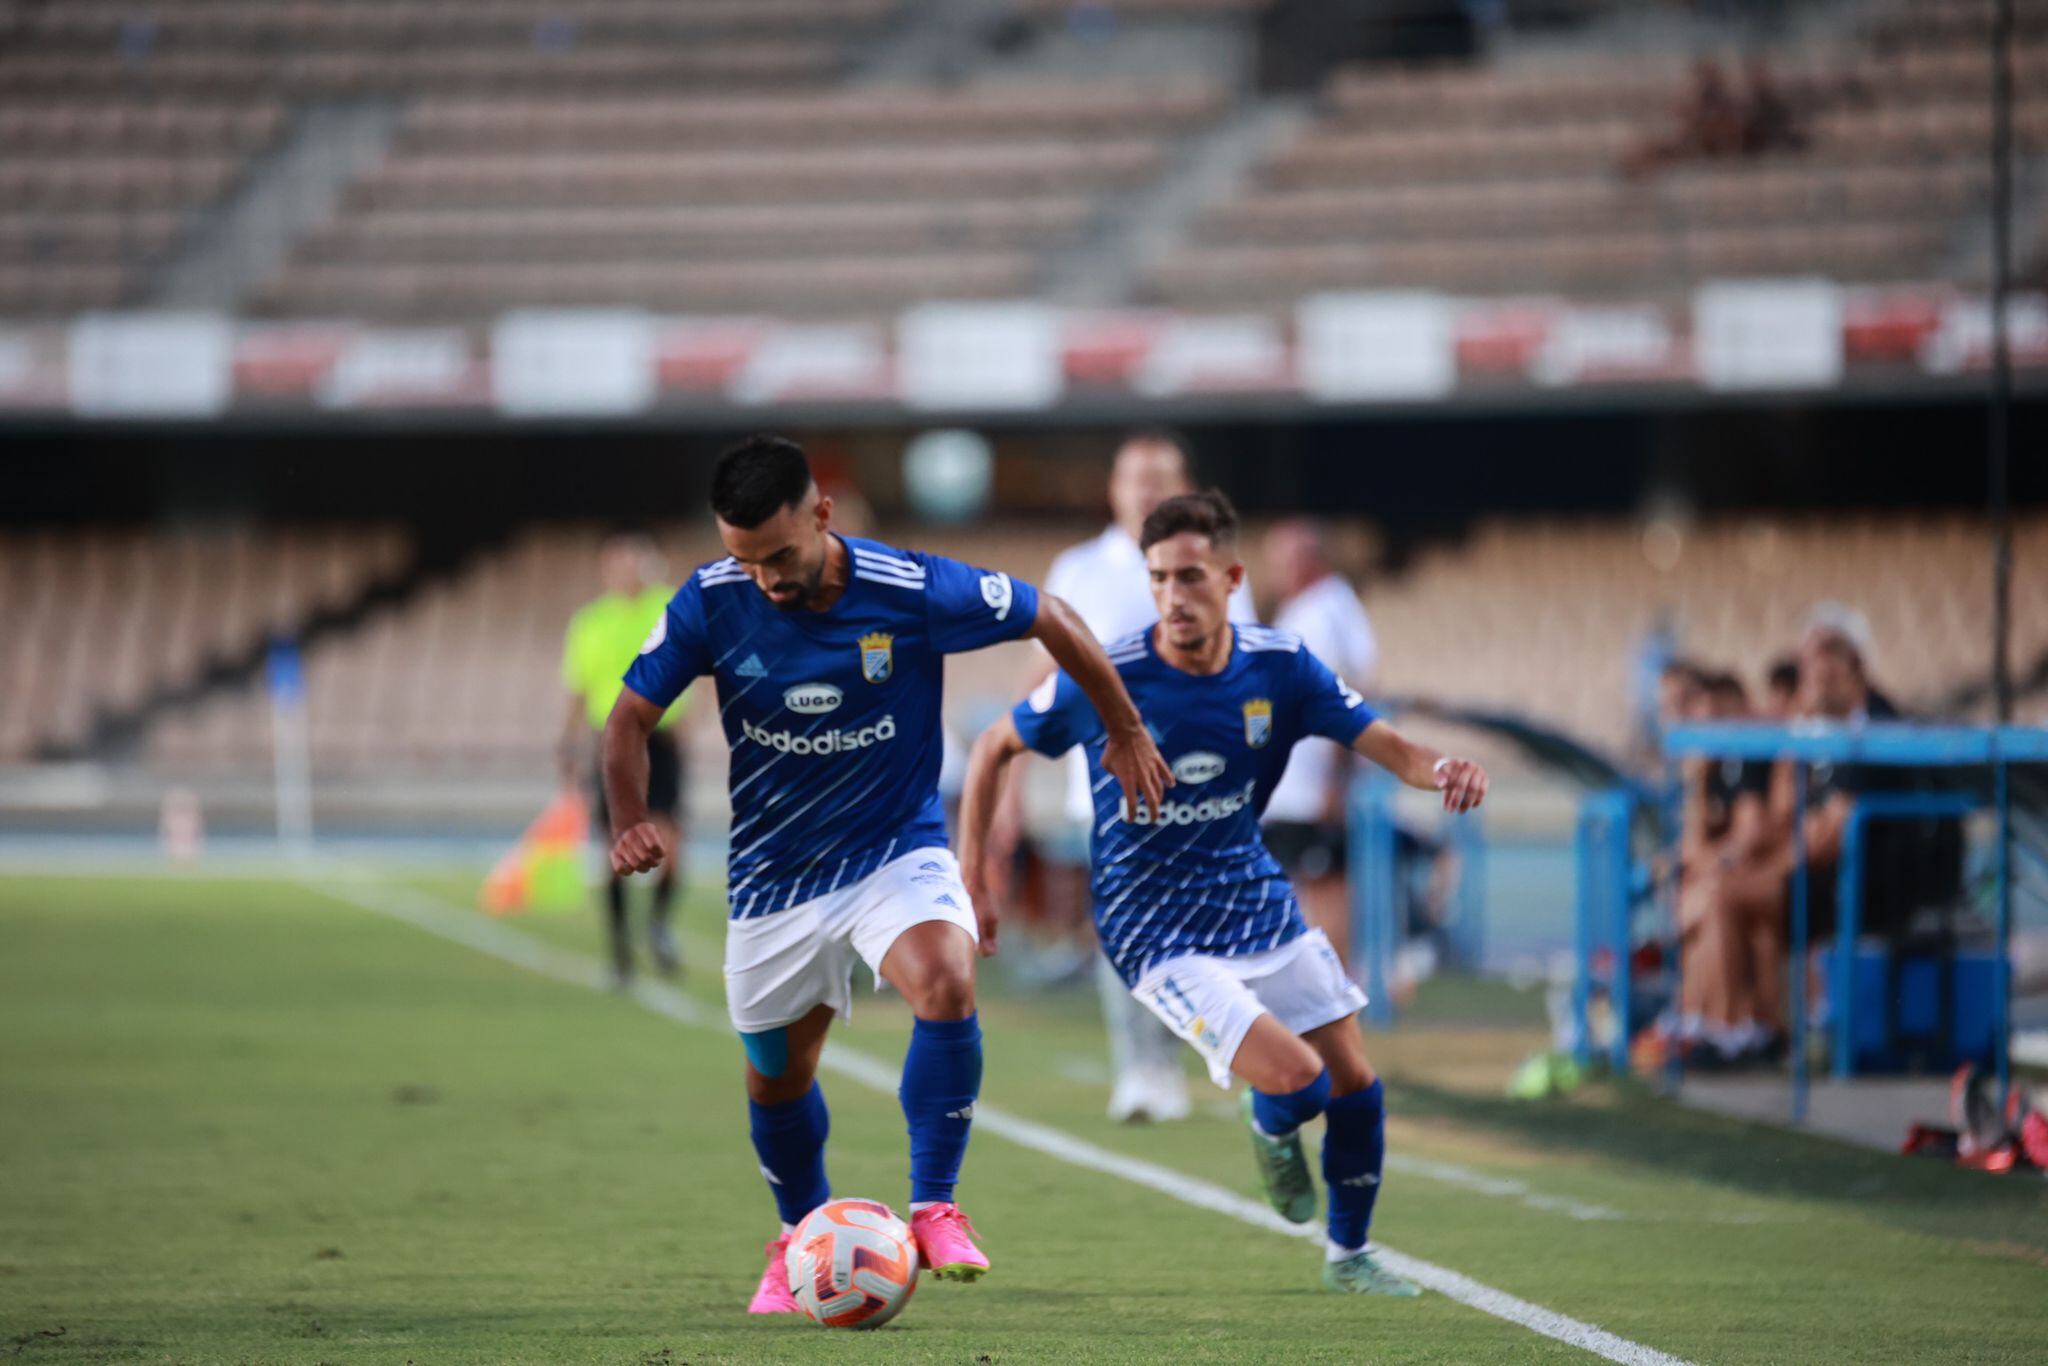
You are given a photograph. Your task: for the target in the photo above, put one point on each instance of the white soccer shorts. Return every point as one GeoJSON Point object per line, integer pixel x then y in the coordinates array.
{"type": "Point", "coordinates": [779, 967]}
{"type": "Point", "coordinates": [1211, 1001]}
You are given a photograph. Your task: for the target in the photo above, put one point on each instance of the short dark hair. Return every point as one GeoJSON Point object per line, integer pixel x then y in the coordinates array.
{"type": "Point", "coordinates": [1208, 513]}
{"type": "Point", "coordinates": [1784, 675]}
{"type": "Point", "coordinates": [758, 478]}
{"type": "Point", "coordinates": [1728, 687]}
{"type": "Point", "coordinates": [1690, 670]}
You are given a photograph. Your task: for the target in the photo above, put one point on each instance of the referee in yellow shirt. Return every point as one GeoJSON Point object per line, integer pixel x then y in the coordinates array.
{"type": "Point", "coordinates": [604, 638]}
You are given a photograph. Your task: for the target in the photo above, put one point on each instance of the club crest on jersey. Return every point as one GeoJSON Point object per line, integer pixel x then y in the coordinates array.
{"type": "Point", "coordinates": [877, 656]}
{"type": "Point", "coordinates": [1258, 722]}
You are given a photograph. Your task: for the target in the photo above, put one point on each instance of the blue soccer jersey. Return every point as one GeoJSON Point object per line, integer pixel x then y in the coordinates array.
{"type": "Point", "coordinates": [833, 716]}
{"type": "Point", "coordinates": [1197, 878]}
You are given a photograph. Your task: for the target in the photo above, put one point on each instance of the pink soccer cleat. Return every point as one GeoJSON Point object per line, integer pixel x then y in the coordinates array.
{"type": "Point", "coordinates": [945, 1242]}
{"type": "Point", "coordinates": [772, 1295]}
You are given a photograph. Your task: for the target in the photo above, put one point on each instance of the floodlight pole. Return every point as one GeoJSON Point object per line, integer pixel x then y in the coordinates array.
{"type": "Point", "coordinates": [1998, 437]}
{"type": "Point", "coordinates": [1998, 425]}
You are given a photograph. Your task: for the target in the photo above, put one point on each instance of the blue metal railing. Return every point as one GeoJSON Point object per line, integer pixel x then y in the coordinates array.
{"type": "Point", "coordinates": [1374, 860]}
{"type": "Point", "coordinates": [1874, 806]}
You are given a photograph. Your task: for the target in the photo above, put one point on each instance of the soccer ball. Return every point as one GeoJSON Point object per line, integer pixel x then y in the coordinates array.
{"type": "Point", "coordinates": [852, 1264]}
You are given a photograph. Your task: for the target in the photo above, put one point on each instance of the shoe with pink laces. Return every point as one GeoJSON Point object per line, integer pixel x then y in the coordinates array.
{"type": "Point", "coordinates": [772, 1296]}
{"type": "Point", "coordinates": [945, 1242]}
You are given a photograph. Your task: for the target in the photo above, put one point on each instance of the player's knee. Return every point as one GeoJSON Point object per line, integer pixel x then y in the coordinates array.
{"type": "Point", "coordinates": [944, 991]}
{"type": "Point", "coordinates": [1349, 1075]}
{"type": "Point", "coordinates": [1297, 1072]}
{"type": "Point", "coordinates": [776, 1090]}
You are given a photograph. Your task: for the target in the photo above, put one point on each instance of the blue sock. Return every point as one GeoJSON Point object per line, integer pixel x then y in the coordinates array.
{"type": "Point", "coordinates": [1279, 1116]}
{"type": "Point", "coordinates": [790, 1140]}
{"type": "Point", "coordinates": [1353, 1148]}
{"type": "Point", "coordinates": [941, 1078]}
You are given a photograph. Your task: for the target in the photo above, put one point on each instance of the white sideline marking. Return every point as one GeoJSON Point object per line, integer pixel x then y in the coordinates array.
{"type": "Point", "coordinates": [1465, 1178]}
{"type": "Point", "coordinates": [471, 930]}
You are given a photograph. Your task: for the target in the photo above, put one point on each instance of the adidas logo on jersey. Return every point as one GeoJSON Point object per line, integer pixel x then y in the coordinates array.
{"type": "Point", "coordinates": [1192, 813]}
{"type": "Point", "coordinates": [752, 667]}
{"type": "Point", "coordinates": [945, 899]}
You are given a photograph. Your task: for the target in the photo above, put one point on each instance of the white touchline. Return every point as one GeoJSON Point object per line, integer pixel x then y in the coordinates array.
{"type": "Point", "coordinates": [1465, 1178]}
{"type": "Point", "coordinates": [462, 926]}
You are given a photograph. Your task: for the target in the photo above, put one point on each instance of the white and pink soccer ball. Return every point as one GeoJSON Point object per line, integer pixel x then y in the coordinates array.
{"type": "Point", "coordinates": [852, 1264]}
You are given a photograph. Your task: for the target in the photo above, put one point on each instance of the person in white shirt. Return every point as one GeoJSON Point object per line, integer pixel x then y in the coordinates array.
{"type": "Point", "coordinates": [1304, 824]}
{"type": "Point", "coordinates": [1105, 581]}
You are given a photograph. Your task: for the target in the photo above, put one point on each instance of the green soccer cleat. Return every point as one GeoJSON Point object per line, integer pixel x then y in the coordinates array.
{"type": "Point", "coordinates": [1283, 1171]}
{"type": "Point", "coordinates": [1359, 1274]}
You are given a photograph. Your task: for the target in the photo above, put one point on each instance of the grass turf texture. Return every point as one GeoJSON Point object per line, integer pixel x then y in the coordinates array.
{"type": "Point", "coordinates": [245, 1122]}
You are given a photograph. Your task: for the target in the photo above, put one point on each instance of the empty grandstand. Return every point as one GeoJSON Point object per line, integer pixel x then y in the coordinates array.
{"type": "Point", "coordinates": [105, 622]}
{"type": "Point", "coordinates": [403, 160]}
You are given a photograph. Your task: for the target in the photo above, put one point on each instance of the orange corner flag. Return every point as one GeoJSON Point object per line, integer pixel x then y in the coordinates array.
{"type": "Point", "coordinates": [544, 870]}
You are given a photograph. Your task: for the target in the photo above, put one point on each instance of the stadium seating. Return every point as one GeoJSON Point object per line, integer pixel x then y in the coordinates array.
{"type": "Point", "coordinates": [1539, 617]}
{"type": "Point", "coordinates": [709, 155]}
{"type": "Point", "coordinates": [464, 677]}
{"type": "Point", "coordinates": [122, 122]}
{"type": "Point", "coordinates": [1509, 179]}
{"type": "Point", "coordinates": [102, 620]}
{"type": "Point", "coordinates": [95, 191]}
{"type": "Point", "coordinates": [238, 47]}
{"type": "Point", "coordinates": [1546, 617]}
{"type": "Point", "coordinates": [822, 203]}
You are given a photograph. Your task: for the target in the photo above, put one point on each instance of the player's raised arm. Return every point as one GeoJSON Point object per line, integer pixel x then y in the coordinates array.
{"type": "Point", "coordinates": [1129, 754]}
{"type": "Point", "coordinates": [673, 654]}
{"type": "Point", "coordinates": [987, 764]}
{"type": "Point", "coordinates": [1462, 782]}
{"type": "Point", "coordinates": [637, 843]}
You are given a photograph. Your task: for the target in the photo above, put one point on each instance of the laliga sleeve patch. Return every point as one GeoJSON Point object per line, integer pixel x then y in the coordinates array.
{"type": "Point", "coordinates": [768, 1050]}
{"type": "Point", "coordinates": [997, 593]}
{"type": "Point", "coordinates": [656, 636]}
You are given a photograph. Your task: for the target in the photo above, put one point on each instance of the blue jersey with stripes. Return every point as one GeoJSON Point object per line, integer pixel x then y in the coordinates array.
{"type": "Point", "coordinates": [1196, 876]}
{"type": "Point", "coordinates": [833, 716]}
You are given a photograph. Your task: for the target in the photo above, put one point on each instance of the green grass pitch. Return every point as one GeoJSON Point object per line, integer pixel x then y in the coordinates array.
{"type": "Point", "coordinates": [244, 1121]}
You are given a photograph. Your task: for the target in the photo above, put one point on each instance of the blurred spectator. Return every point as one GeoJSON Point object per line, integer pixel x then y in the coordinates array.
{"type": "Point", "coordinates": [1723, 820]}
{"type": "Point", "coordinates": [1710, 123]}
{"type": "Point", "coordinates": [1781, 689]}
{"type": "Point", "coordinates": [1736, 899]}
{"type": "Point", "coordinates": [1305, 817]}
{"type": "Point", "coordinates": [1680, 687]}
{"type": "Point", "coordinates": [603, 638]}
{"type": "Point", "coordinates": [1769, 123]}
{"type": "Point", "coordinates": [1104, 580]}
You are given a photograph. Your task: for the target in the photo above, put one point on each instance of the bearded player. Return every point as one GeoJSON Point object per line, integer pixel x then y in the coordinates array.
{"type": "Point", "coordinates": [828, 654]}
{"type": "Point", "coordinates": [1194, 913]}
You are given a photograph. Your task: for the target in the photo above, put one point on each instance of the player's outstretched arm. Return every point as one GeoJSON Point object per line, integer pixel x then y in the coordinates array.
{"type": "Point", "coordinates": [1129, 755]}
{"type": "Point", "coordinates": [987, 764]}
{"type": "Point", "coordinates": [1462, 782]}
{"type": "Point", "coordinates": [637, 845]}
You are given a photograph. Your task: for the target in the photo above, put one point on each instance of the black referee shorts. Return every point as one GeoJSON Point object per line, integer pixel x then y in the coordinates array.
{"type": "Point", "coordinates": [664, 783]}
